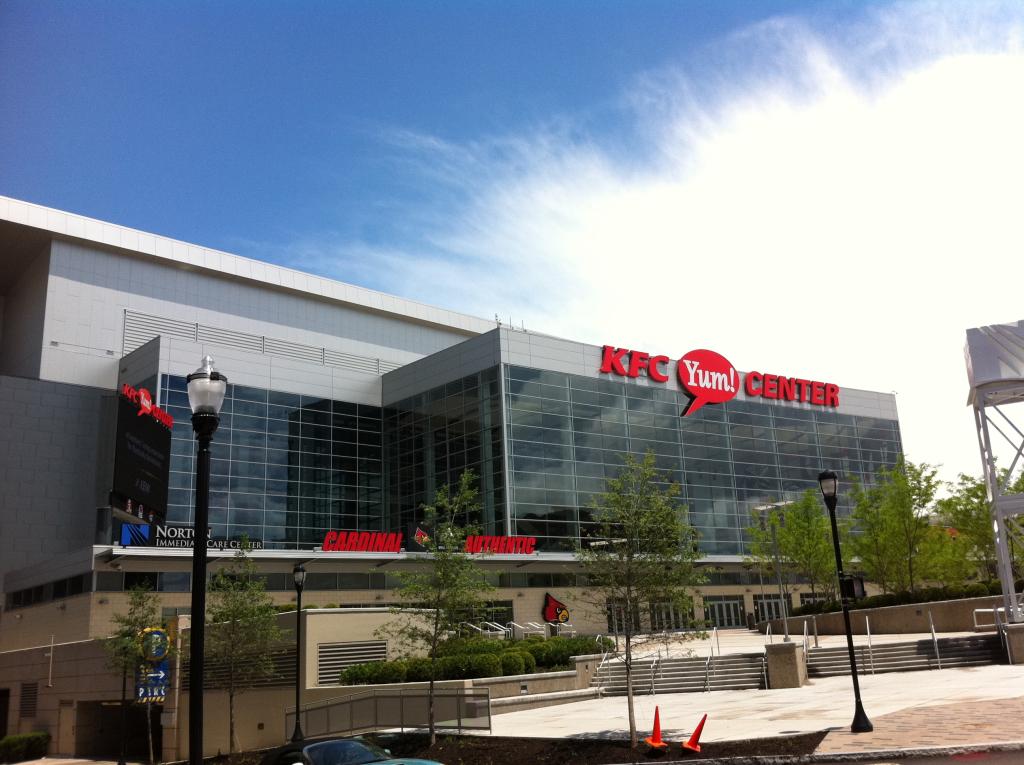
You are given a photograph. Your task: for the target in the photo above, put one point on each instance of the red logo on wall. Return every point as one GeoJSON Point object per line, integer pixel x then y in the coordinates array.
{"type": "Point", "coordinates": [708, 377]}
{"type": "Point", "coordinates": [361, 541]}
{"type": "Point", "coordinates": [501, 545]}
{"type": "Point", "coordinates": [143, 399]}
{"type": "Point", "coordinates": [421, 537]}
{"type": "Point", "coordinates": [555, 610]}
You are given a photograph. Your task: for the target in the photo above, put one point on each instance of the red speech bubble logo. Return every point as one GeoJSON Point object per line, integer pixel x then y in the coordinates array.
{"type": "Point", "coordinates": [708, 378]}
{"type": "Point", "coordinates": [145, 402]}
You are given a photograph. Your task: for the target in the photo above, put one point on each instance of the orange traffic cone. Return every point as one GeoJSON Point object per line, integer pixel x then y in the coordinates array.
{"type": "Point", "coordinates": [654, 740]}
{"type": "Point", "coordinates": [693, 744]}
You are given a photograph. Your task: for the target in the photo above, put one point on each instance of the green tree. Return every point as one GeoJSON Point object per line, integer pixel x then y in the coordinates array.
{"type": "Point", "coordinates": [449, 585]}
{"type": "Point", "coordinates": [891, 525]}
{"type": "Point", "coordinates": [242, 632]}
{"type": "Point", "coordinates": [124, 647]}
{"type": "Point", "coordinates": [804, 537]}
{"type": "Point", "coordinates": [966, 509]}
{"type": "Point", "coordinates": [643, 553]}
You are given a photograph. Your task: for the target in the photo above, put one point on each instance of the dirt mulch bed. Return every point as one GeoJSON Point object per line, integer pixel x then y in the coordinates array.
{"type": "Point", "coordinates": [495, 750]}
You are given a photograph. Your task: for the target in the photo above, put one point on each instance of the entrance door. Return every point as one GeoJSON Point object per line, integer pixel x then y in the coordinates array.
{"type": "Point", "coordinates": [767, 607]}
{"type": "Point", "coordinates": [66, 728]}
{"type": "Point", "coordinates": [5, 707]}
{"type": "Point", "coordinates": [723, 611]}
{"type": "Point", "coordinates": [666, 617]}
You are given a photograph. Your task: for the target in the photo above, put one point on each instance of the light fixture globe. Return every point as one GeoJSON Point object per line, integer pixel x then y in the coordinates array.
{"type": "Point", "coordinates": [829, 483]}
{"type": "Point", "coordinates": [206, 389]}
{"type": "Point", "coordinates": [299, 575]}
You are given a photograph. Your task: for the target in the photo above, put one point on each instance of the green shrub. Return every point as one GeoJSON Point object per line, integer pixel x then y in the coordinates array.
{"type": "Point", "coordinates": [529, 663]}
{"type": "Point", "coordinates": [512, 663]}
{"type": "Point", "coordinates": [483, 665]}
{"type": "Point", "coordinates": [453, 667]}
{"type": "Point", "coordinates": [357, 674]}
{"type": "Point", "coordinates": [539, 650]}
{"type": "Point", "coordinates": [470, 645]}
{"type": "Point", "coordinates": [375, 673]}
{"type": "Point", "coordinates": [995, 587]}
{"type": "Point", "coordinates": [418, 670]}
{"type": "Point", "coordinates": [976, 590]}
{"type": "Point", "coordinates": [24, 746]}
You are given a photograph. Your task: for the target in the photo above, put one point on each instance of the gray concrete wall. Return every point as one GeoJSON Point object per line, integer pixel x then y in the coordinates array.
{"type": "Point", "coordinates": [91, 288]}
{"type": "Point", "coordinates": [24, 309]}
{"type": "Point", "coordinates": [948, 616]}
{"type": "Point", "coordinates": [447, 365]}
{"type": "Point", "coordinates": [48, 445]}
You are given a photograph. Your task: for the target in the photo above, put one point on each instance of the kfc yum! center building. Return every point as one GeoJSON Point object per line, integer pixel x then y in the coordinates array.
{"type": "Point", "coordinates": [346, 410]}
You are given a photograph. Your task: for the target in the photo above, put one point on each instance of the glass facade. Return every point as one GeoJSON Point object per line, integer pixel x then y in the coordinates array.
{"type": "Point", "coordinates": [433, 437]}
{"type": "Point", "coordinates": [284, 468]}
{"type": "Point", "coordinates": [287, 468]}
{"type": "Point", "coordinates": [569, 433]}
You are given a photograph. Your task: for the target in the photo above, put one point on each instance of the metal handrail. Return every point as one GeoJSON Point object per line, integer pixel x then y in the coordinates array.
{"type": "Point", "coordinates": [871, 653]}
{"type": "Point", "coordinates": [814, 623]}
{"type": "Point", "coordinates": [655, 669]}
{"type": "Point", "coordinates": [505, 630]}
{"type": "Point", "coordinates": [768, 633]}
{"type": "Point", "coordinates": [325, 717]}
{"type": "Point", "coordinates": [715, 639]}
{"type": "Point", "coordinates": [805, 640]}
{"type": "Point", "coordinates": [935, 640]}
{"type": "Point", "coordinates": [764, 670]}
{"type": "Point", "coordinates": [707, 674]}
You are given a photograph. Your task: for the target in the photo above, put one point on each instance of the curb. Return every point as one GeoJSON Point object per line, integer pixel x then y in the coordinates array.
{"type": "Point", "coordinates": [807, 759]}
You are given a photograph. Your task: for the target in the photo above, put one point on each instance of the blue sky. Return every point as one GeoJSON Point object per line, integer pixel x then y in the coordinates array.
{"type": "Point", "coordinates": [219, 122]}
{"type": "Point", "coordinates": [662, 175]}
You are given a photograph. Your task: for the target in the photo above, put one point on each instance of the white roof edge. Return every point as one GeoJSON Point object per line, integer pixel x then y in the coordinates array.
{"type": "Point", "coordinates": [73, 226]}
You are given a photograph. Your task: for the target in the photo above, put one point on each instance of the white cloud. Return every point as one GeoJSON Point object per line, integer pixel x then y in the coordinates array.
{"type": "Point", "coordinates": [839, 206]}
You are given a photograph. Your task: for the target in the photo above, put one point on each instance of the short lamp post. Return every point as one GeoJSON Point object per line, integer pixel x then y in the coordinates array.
{"type": "Point", "coordinates": [299, 574]}
{"type": "Point", "coordinates": [206, 390]}
{"type": "Point", "coordinates": [829, 484]}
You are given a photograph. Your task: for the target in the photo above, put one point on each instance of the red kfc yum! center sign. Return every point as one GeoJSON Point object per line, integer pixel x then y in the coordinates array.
{"type": "Point", "coordinates": [708, 377]}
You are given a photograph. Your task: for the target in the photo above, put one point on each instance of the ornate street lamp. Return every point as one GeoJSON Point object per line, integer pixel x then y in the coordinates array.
{"type": "Point", "coordinates": [206, 389]}
{"type": "Point", "coordinates": [299, 574]}
{"type": "Point", "coordinates": [829, 483]}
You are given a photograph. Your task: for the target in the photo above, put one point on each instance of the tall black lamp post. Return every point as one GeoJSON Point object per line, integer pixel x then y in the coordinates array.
{"type": "Point", "coordinates": [829, 484]}
{"type": "Point", "coordinates": [206, 389]}
{"type": "Point", "coordinates": [299, 574]}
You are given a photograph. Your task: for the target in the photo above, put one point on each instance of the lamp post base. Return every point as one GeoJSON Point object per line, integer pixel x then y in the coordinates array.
{"type": "Point", "coordinates": [861, 723]}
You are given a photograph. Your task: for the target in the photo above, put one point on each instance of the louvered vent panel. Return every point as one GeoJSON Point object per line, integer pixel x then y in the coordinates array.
{"type": "Point", "coordinates": [350, 361]}
{"type": "Point", "coordinates": [29, 700]}
{"type": "Point", "coordinates": [215, 674]}
{"type": "Point", "coordinates": [230, 338]}
{"type": "Point", "coordinates": [294, 350]}
{"type": "Point", "coordinates": [140, 328]}
{"type": "Point", "coordinates": [332, 658]}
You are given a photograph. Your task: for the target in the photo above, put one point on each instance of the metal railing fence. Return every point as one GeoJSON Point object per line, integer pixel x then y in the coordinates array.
{"type": "Point", "coordinates": [458, 709]}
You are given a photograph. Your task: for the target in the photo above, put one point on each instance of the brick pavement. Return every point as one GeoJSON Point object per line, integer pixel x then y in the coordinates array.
{"type": "Point", "coordinates": [994, 721]}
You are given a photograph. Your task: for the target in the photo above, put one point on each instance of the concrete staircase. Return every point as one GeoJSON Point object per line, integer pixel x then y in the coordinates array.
{"type": "Point", "coordinates": [907, 657]}
{"type": "Point", "coordinates": [683, 675]}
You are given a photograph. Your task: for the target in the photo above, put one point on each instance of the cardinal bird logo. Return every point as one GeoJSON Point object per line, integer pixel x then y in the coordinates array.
{"type": "Point", "coordinates": [555, 610]}
{"type": "Point", "coordinates": [421, 537]}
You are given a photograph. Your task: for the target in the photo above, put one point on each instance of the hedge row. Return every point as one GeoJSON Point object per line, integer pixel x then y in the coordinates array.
{"type": "Point", "coordinates": [24, 746]}
{"type": "Point", "coordinates": [465, 658]}
{"type": "Point", "coordinates": [926, 595]}
{"type": "Point", "coordinates": [457, 667]}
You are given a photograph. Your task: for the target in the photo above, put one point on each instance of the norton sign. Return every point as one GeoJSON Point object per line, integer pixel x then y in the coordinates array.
{"type": "Point", "coordinates": [709, 378]}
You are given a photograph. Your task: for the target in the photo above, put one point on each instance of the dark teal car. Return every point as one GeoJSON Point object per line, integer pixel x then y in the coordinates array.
{"type": "Point", "coordinates": [336, 751]}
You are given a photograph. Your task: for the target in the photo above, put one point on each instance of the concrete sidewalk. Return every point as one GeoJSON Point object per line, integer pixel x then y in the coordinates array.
{"type": "Point", "coordinates": [914, 711]}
